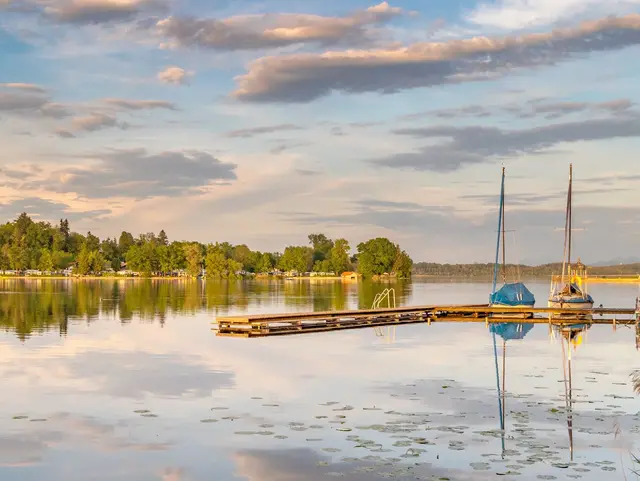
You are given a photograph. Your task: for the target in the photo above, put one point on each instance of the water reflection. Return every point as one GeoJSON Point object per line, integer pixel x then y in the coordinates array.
{"type": "Point", "coordinates": [120, 398]}
{"type": "Point", "coordinates": [29, 306]}
{"type": "Point", "coordinates": [507, 332]}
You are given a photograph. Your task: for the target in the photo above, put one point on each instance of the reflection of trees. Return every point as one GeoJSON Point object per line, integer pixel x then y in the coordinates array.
{"type": "Point", "coordinates": [28, 306]}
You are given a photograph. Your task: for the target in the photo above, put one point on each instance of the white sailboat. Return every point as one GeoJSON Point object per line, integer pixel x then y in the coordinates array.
{"type": "Point", "coordinates": [569, 290]}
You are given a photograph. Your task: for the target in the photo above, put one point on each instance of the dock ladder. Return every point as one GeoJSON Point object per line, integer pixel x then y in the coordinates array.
{"type": "Point", "coordinates": [388, 295]}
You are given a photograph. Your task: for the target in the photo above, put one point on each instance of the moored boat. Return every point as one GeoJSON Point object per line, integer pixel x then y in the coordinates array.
{"type": "Point", "coordinates": [512, 295]}
{"type": "Point", "coordinates": [569, 290]}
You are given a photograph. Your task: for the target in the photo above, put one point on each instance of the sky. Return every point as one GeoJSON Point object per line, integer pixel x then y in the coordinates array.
{"type": "Point", "coordinates": [259, 122]}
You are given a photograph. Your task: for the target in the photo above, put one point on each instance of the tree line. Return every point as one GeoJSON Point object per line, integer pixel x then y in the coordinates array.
{"type": "Point", "coordinates": [26, 244]}
{"type": "Point", "coordinates": [479, 270]}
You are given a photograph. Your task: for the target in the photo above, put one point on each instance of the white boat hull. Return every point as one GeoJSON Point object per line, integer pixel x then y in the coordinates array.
{"type": "Point", "coordinates": [570, 305]}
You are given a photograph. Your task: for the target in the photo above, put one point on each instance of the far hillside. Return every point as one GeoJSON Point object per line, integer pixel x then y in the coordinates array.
{"type": "Point", "coordinates": [486, 270]}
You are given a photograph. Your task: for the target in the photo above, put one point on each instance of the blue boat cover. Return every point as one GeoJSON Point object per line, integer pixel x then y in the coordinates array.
{"type": "Point", "coordinates": [509, 330]}
{"type": "Point", "coordinates": [515, 294]}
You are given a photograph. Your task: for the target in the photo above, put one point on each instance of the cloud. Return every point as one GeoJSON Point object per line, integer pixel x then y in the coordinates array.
{"type": "Point", "coordinates": [252, 132]}
{"type": "Point", "coordinates": [302, 463]}
{"type": "Point", "coordinates": [475, 144]}
{"type": "Point", "coordinates": [273, 30]}
{"type": "Point", "coordinates": [518, 14]}
{"type": "Point", "coordinates": [94, 122]}
{"type": "Point", "coordinates": [284, 146]}
{"type": "Point", "coordinates": [29, 99]}
{"type": "Point", "coordinates": [24, 86]}
{"type": "Point", "coordinates": [19, 448]}
{"type": "Point", "coordinates": [139, 174]}
{"type": "Point", "coordinates": [128, 104]}
{"type": "Point", "coordinates": [531, 109]}
{"type": "Point", "coordinates": [44, 209]}
{"type": "Point", "coordinates": [64, 134]}
{"type": "Point", "coordinates": [96, 11]}
{"type": "Point", "coordinates": [174, 75]}
{"type": "Point", "coordinates": [160, 376]}
{"type": "Point", "coordinates": [308, 76]}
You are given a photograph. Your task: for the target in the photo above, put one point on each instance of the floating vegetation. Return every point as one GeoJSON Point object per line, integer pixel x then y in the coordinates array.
{"type": "Point", "coordinates": [271, 405]}
{"type": "Point", "coordinates": [37, 420]}
{"type": "Point", "coordinates": [344, 430]}
{"type": "Point", "coordinates": [219, 408]}
{"type": "Point", "coordinates": [208, 420]}
{"type": "Point", "coordinates": [149, 415]}
{"type": "Point", "coordinates": [330, 403]}
{"type": "Point", "coordinates": [20, 417]}
{"type": "Point", "coordinates": [331, 450]}
{"type": "Point", "coordinates": [280, 436]}
{"type": "Point", "coordinates": [480, 466]}
{"type": "Point", "coordinates": [141, 411]}
{"type": "Point", "coordinates": [345, 408]}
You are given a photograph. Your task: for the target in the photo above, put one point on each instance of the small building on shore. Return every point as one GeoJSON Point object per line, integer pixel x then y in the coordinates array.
{"type": "Point", "coordinates": [350, 276]}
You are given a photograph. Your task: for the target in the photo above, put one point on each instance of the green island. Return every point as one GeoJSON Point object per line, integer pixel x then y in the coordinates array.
{"type": "Point", "coordinates": [29, 248]}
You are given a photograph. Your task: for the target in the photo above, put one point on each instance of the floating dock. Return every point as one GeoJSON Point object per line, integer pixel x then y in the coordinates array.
{"type": "Point", "coordinates": [263, 325]}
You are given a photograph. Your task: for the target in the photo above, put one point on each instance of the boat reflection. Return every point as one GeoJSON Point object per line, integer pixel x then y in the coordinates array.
{"type": "Point", "coordinates": [507, 331]}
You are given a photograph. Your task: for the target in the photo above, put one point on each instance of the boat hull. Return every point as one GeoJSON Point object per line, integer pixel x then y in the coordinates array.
{"type": "Point", "coordinates": [585, 304]}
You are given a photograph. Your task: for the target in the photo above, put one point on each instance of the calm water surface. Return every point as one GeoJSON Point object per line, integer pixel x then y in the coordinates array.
{"type": "Point", "coordinates": [124, 380]}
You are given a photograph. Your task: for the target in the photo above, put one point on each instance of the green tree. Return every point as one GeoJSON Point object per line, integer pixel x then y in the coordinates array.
{"type": "Point", "coordinates": [322, 245]}
{"type": "Point", "coordinates": [111, 252]}
{"type": "Point", "coordinates": [241, 254]}
{"type": "Point", "coordinates": [125, 242]}
{"type": "Point", "coordinates": [339, 256]}
{"type": "Point", "coordinates": [92, 242]}
{"type": "Point", "coordinates": [265, 264]}
{"type": "Point", "coordinates": [297, 258]}
{"type": "Point", "coordinates": [216, 263]}
{"type": "Point", "coordinates": [143, 258]}
{"type": "Point", "coordinates": [64, 234]}
{"type": "Point", "coordinates": [84, 262]}
{"type": "Point", "coordinates": [76, 241]}
{"type": "Point", "coordinates": [193, 257]}
{"type": "Point", "coordinates": [97, 262]}
{"type": "Point", "coordinates": [403, 264]}
{"type": "Point", "coordinates": [46, 261]}
{"type": "Point", "coordinates": [376, 256]}
{"type": "Point", "coordinates": [162, 238]}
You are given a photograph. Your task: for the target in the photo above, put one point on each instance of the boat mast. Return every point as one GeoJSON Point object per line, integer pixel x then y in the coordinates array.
{"type": "Point", "coordinates": [500, 234]}
{"type": "Point", "coordinates": [504, 244]}
{"type": "Point", "coordinates": [566, 259]}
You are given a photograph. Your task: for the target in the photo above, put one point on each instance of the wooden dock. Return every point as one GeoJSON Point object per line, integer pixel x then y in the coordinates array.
{"type": "Point", "coordinates": [263, 325]}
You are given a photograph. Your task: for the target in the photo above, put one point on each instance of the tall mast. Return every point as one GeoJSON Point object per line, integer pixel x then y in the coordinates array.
{"type": "Point", "coordinates": [500, 212]}
{"type": "Point", "coordinates": [570, 218]}
{"type": "Point", "coordinates": [504, 244]}
{"type": "Point", "coordinates": [566, 257]}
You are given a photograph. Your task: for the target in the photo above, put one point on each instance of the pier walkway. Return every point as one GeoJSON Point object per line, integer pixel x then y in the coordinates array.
{"type": "Point", "coordinates": [263, 325]}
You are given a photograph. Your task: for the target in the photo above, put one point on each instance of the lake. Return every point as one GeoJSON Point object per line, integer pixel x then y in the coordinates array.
{"type": "Point", "coordinates": [124, 380]}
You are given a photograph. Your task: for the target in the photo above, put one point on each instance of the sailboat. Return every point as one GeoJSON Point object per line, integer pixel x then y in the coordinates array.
{"type": "Point", "coordinates": [510, 295]}
{"type": "Point", "coordinates": [568, 290]}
